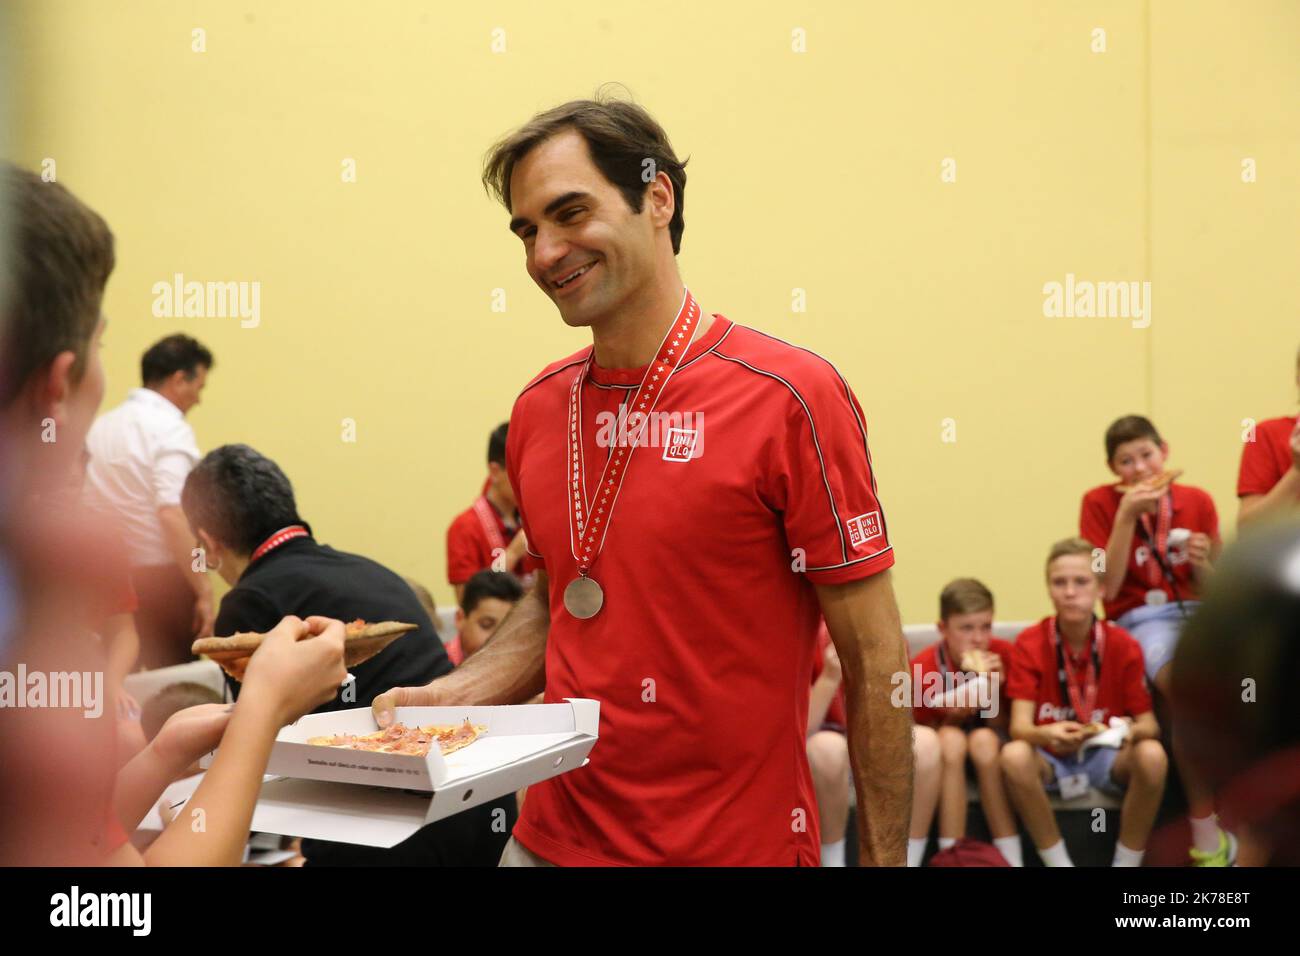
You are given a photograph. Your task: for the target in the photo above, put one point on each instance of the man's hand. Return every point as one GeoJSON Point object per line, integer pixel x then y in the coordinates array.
{"type": "Point", "coordinates": [385, 704]}
{"type": "Point", "coordinates": [1295, 446]}
{"type": "Point", "coordinates": [296, 675]}
{"type": "Point", "coordinates": [864, 625]}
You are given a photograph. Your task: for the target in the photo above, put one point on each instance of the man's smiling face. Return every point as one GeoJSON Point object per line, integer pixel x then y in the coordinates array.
{"type": "Point", "coordinates": [576, 226]}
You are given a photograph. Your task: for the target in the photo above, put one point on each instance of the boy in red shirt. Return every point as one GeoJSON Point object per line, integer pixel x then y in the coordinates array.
{"type": "Point", "coordinates": [1070, 674]}
{"type": "Point", "coordinates": [968, 647]}
{"type": "Point", "coordinates": [487, 533]}
{"type": "Point", "coordinates": [1169, 539]}
{"type": "Point", "coordinates": [1268, 483]}
{"type": "Point", "coordinates": [828, 759]}
{"type": "Point", "coordinates": [487, 599]}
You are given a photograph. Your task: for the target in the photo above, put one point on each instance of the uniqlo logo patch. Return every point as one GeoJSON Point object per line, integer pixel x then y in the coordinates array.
{"type": "Point", "coordinates": [679, 444]}
{"type": "Point", "coordinates": [863, 528]}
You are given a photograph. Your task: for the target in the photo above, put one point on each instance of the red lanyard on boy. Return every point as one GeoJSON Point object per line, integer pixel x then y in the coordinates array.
{"type": "Point", "coordinates": [487, 517]}
{"type": "Point", "coordinates": [1082, 700]}
{"type": "Point", "coordinates": [1160, 540]}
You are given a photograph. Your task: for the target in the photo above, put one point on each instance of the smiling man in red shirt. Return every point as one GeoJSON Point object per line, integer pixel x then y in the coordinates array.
{"type": "Point", "coordinates": [681, 586]}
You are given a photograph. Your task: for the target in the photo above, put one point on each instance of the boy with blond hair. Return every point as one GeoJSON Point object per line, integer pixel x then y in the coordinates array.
{"type": "Point", "coordinates": [1071, 674]}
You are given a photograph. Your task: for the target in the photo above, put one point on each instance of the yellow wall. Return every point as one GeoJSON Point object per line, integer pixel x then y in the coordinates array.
{"type": "Point", "coordinates": [817, 170]}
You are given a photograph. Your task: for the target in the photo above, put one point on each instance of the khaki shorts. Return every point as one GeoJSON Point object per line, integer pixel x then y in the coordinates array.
{"type": "Point", "coordinates": [516, 854]}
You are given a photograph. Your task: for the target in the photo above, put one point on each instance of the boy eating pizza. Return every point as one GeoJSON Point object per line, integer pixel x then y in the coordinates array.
{"type": "Point", "coordinates": [966, 649]}
{"type": "Point", "coordinates": [1160, 540]}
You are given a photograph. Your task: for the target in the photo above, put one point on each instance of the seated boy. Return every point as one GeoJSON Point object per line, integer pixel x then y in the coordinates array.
{"type": "Point", "coordinates": [484, 604]}
{"type": "Point", "coordinates": [967, 646]}
{"type": "Point", "coordinates": [828, 759]}
{"type": "Point", "coordinates": [1070, 674]}
{"type": "Point", "coordinates": [1160, 545]}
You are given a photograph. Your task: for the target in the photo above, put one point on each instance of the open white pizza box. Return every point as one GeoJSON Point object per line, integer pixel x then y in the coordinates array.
{"type": "Point", "coordinates": [374, 799]}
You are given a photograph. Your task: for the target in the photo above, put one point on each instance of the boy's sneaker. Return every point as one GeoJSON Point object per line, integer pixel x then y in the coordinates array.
{"type": "Point", "coordinates": [1225, 855]}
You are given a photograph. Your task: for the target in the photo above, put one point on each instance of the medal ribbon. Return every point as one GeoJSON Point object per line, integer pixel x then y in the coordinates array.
{"type": "Point", "coordinates": [487, 517]}
{"type": "Point", "coordinates": [1083, 701]}
{"type": "Point", "coordinates": [589, 519]}
{"type": "Point", "coordinates": [1160, 541]}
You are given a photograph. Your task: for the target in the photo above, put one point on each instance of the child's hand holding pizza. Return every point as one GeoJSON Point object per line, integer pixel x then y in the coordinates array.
{"type": "Point", "coordinates": [294, 675]}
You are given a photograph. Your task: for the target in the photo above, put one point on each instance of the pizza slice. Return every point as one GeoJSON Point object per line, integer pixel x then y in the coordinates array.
{"type": "Point", "coordinates": [1155, 483]}
{"type": "Point", "coordinates": [976, 661]}
{"type": "Point", "coordinates": [410, 741]}
{"type": "Point", "coordinates": [362, 642]}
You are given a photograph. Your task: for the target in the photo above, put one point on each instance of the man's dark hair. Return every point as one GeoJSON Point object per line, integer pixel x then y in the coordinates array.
{"type": "Point", "coordinates": [1126, 429]}
{"type": "Point", "coordinates": [238, 496]}
{"type": "Point", "coordinates": [490, 584]}
{"type": "Point", "coordinates": [497, 444]}
{"type": "Point", "coordinates": [56, 255]}
{"type": "Point", "coordinates": [624, 141]}
{"type": "Point", "coordinates": [176, 353]}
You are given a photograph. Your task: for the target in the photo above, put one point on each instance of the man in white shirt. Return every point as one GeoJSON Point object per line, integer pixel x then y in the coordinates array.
{"type": "Point", "coordinates": [140, 454]}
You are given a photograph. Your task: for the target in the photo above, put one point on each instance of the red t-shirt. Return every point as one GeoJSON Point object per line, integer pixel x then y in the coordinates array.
{"type": "Point", "coordinates": [928, 662]}
{"type": "Point", "coordinates": [1266, 459]}
{"type": "Point", "coordinates": [1121, 690]}
{"type": "Point", "coordinates": [701, 657]}
{"type": "Point", "coordinates": [837, 713]}
{"type": "Point", "coordinates": [1192, 509]}
{"type": "Point", "coordinates": [470, 544]}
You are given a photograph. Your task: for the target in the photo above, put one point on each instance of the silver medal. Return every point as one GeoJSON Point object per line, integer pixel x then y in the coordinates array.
{"type": "Point", "coordinates": [583, 598]}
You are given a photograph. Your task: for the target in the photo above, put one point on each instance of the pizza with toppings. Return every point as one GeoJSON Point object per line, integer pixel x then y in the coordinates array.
{"type": "Point", "coordinates": [411, 741]}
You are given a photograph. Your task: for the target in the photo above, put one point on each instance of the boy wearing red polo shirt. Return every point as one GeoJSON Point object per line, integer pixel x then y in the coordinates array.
{"type": "Point", "coordinates": [1069, 673]}
{"type": "Point", "coordinates": [1268, 483]}
{"type": "Point", "coordinates": [1170, 537]}
{"type": "Point", "coordinates": [487, 533]}
{"type": "Point", "coordinates": [967, 647]}
{"type": "Point", "coordinates": [1159, 544]}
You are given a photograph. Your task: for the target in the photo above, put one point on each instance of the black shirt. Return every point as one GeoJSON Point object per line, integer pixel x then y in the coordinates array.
{"type": "Point", "coordinates": [304, 578]}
